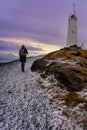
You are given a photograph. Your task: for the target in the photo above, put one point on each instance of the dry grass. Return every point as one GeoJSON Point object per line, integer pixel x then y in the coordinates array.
{"type": "Point", "coordinates": [55, 99]}
{"type": "Point", "coordinates": [43, 75]}
{"type": "Point", "coordinates": [61, 54]}
{"type": "Point", "coordinates": [84, 53]}
{"type": "Point", "coordinates": [73, 99]}
{"type": "Point", "coordinates": [85, 61]}
{"type": "Point", "coordinates": [50, 88]}
{"type": "Point", "coordinates": [82, 73]}
{"type": "Point", "coordinates": [67, 55]}
{"type": "Point", "coordinates": [58, 96]}
{"type": "Point", "coordinates": [85, 106]}
{"type": "Point", "coordinates": [81, 69]}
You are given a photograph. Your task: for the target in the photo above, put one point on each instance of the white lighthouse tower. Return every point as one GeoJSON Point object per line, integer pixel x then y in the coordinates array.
{"type": "Point", "coordinates": [72, 29]}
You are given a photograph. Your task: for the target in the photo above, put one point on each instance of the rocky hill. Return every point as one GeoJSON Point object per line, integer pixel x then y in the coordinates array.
{"type": "Point", "coordinates": [68, 65]}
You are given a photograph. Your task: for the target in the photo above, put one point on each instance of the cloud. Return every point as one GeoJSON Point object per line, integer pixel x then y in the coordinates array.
{"type": "Point", "coordinates": [37, 20]}
{"type": "Point", "coordinates": [11, 29]}
{"type": "Point", "coordinates": [8, 46]}
{"type": "Point", "coordinates": [12, 44]}
{"type": "Point", "coordinates": [41, 21]}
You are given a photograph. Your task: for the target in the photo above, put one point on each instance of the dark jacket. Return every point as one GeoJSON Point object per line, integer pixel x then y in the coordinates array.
{"type": "Point", "coordinates": [23, 58]}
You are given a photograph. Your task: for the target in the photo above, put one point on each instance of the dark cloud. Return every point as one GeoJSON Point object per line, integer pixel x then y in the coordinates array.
{"type": "Point", "coordinates": [9, 46]}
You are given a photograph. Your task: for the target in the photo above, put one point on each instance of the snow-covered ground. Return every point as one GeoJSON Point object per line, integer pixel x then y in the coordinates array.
{"type": "Point", "coordinates": [24, 101]}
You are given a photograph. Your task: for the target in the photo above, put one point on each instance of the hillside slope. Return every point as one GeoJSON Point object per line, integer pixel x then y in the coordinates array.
{"type": "Point", "coordinates": [68, 89]}
{"type": "Point", "coordinates": [68, 65]}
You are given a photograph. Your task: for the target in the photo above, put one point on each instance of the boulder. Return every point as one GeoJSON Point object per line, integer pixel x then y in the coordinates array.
{"type": "Point", "coordinates": [39, 65]}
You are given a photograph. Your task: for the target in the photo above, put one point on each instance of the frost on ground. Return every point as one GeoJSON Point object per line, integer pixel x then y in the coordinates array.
{"type": "Point", "coordinates": [27, 103]}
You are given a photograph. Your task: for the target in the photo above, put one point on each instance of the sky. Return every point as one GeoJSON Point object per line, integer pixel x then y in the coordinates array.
{"type": "Point", "coordinates": [41, 25]}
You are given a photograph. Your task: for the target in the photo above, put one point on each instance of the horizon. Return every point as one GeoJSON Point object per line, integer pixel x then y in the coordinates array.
{"type": "Point", "coordinates": [40, 25]}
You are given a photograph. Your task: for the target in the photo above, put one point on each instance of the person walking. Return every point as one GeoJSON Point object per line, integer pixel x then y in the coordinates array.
{"type": "Point", "coordinates": [22, 54]}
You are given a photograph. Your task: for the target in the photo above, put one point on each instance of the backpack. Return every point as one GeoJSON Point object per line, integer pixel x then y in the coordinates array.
{"type": "Point", "coordinates": [22, 52]}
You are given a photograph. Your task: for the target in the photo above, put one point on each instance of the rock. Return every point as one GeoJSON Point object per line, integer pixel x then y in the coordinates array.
{"type": "Point", "coordinates": [70, 78]}
{"type": "Point", "coordinates": [39, 65]}
{"type": "Point", "coordinates": [76, 53]}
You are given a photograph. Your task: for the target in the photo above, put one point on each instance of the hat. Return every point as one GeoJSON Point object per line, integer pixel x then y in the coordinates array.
{"type": "Point", "coordinates": [22, 46]}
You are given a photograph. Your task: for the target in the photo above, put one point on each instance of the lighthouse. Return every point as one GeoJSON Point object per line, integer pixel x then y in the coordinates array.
{"type": "Point", "coordinates": [72, 29]}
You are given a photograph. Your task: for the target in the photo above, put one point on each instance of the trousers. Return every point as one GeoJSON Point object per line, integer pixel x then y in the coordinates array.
{"type": "Point", "coordinates": [22, 66]}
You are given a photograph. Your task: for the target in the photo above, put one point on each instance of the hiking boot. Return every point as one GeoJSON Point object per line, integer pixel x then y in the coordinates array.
{"type": "Point", "coordinates": [23, 70]}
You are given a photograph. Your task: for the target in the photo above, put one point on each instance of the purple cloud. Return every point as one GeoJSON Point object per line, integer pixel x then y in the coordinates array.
{"type": "Point", "coordinates": [41, 20]}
